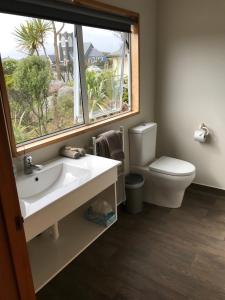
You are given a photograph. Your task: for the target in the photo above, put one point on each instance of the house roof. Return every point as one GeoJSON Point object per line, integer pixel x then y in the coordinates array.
{"type": "Point", "coordinates": [90, 51]}
{"type": "Point", "coordinates": [95, 53]}
{"type": "Point", "coordinates": [87, 48]}
{"type": "Point", "coordinates": [52, 58]}
{"type": "Point", "coordinates": [116, 53]}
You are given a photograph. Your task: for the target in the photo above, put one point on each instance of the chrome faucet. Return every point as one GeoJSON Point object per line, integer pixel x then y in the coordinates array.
{"type": "Point", "coordinates": [29, 166]}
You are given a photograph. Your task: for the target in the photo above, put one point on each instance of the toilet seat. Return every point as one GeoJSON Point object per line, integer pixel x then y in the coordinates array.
{"type": "Point", "coordinates": [172, 166]}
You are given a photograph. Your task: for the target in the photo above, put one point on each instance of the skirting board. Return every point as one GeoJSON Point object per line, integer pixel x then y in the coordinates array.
{"type": "Point", "coordinates": [207, 189]}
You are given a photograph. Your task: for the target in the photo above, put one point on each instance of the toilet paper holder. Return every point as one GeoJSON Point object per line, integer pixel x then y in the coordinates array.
{"type": "Point", "coordinates": [205, 128]}
{"type": "Point", "coordinates": [201, 134]}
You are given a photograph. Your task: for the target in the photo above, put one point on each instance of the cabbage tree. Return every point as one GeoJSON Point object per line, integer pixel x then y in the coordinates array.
{"type": "Point", "coordinates": [31, 36]}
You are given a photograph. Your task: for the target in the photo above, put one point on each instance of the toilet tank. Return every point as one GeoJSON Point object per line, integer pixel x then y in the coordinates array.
{"type": "Point", "coordinates": [142, 143]}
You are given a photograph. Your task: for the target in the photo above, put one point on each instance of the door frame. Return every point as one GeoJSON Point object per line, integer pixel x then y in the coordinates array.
{"type": "Point", "coordinates": [17, 278]}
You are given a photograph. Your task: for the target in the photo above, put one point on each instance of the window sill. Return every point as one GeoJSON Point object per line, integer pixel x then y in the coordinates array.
{"type": "Point", "coordinates": [69, 134]}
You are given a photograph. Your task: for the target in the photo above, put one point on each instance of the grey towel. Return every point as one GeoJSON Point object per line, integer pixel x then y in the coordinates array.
{"type": "Point", "coordinates": [110, 144]}
{"type": "Point", "coordinates": [102, 147]}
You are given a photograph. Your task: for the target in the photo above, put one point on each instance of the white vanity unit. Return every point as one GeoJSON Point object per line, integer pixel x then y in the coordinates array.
{"type": "Point", "coordinates": [53, 202]}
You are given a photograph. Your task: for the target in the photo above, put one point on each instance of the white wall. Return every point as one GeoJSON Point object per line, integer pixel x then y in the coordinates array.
{"type": "Point", "coordinates": [146, 8]}
{"type": "Point", "coordinates": [191, 84]}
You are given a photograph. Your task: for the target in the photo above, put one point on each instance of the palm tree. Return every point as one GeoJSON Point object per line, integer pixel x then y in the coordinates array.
{"type": "Point", "coordinates": [31, 36]}
{"type": "Point", "coordinates": [42, 29]}
{"type": "Point", "coordinates": [27, 39]}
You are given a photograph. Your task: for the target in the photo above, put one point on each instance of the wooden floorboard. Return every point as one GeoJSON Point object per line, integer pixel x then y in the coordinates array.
{"type": "Point", "coordinates": [160, 253]}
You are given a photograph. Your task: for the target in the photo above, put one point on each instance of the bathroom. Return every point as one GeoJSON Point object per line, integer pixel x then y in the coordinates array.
{"type": "Point", "coordinates": [161, 253]}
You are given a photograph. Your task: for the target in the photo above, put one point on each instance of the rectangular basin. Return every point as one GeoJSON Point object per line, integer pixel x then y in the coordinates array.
{"type": "Point", "coordinates": [57, 179]}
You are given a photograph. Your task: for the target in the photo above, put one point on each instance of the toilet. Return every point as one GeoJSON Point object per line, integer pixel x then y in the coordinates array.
{"type": "Point", "coordinates": [166, 178]}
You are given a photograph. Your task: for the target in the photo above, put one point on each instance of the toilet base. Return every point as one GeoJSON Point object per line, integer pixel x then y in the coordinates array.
{"type": "Point", "coordinates": [162, 198]}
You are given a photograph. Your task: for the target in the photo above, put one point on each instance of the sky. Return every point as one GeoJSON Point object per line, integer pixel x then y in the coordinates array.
{"type": "Point", "coordinates": [103, 40]}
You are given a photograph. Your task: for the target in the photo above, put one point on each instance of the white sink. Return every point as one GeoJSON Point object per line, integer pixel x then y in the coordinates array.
{"type": "Point", "coordinates": [40, 182]}
{"type": "Point", "coordinates": [50, 178]}
{"type": "Point", "coordinates": [57, 179]}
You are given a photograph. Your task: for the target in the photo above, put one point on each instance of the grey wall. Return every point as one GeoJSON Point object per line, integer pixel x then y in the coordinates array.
{"type": "Point", "coordinates": [191, 84]}
{"type": "Point", "coordinates": [147, 11]}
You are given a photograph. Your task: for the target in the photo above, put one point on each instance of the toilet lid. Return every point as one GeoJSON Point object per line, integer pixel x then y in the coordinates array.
{"type": "Point", "coordinates": [172, 166]}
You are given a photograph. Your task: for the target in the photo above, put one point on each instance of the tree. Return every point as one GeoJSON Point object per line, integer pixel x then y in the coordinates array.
{"type": "Point", "coordinates": [21, 132]}
{"type": "Point", "coordinates": [31, 36]}
{"type": "Point", "coordinates": [9, 67]}
{"type": "Point", "coordinates": [42, 29]}
{"type": "Point", "coordinates": [57, 60]}
{"type": "Point", "coordinates": [97, 91]}
{"type": "Point", "coordinates": [103, 91]}
{"type": "Point", "coordinates": [31, 79]}
{"type": "Point", "coordinates": [63, 114]}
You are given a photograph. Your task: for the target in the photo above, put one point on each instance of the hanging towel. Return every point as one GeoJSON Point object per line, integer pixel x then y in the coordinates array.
{"type": "Point", "coordinates": [110, 144]}
{"type": "Point", "coordinates": [102, 147]}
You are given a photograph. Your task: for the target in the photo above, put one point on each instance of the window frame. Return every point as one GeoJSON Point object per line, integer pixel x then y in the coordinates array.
{"type": "Point", "coordinates": [133, 85]}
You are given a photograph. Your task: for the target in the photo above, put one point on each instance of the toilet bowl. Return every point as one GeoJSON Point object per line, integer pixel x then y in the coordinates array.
{"type": "Point", "coordinates": [166, 178]}
{"type": "Point", "coordinates": [166, 186]}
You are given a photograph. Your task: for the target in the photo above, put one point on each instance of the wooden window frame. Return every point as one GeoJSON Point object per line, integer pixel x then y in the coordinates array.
{"type": "Point", "coordinates": [135, 87]}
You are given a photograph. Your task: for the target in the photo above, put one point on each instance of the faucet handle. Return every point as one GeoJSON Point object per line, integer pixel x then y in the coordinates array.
{"type": "Point", "coordinates": [28, 159]}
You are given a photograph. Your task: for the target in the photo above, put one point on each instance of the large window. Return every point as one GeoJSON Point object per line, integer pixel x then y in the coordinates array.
{"type": "Point", "coordinates": [65, 67]}
{"type": "Point", "coordinates": [61, 75]}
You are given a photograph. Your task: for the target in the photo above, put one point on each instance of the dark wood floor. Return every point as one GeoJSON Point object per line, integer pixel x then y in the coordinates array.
{"type": "Point", "coordinates": [158, 254]}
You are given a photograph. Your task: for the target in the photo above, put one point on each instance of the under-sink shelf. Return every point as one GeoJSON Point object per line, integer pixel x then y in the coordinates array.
{"type": "Point", "coordinates": [48, 256]}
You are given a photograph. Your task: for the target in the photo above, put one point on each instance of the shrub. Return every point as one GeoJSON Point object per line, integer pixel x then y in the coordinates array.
{"type": "Point", "coordinates": [31, 79]}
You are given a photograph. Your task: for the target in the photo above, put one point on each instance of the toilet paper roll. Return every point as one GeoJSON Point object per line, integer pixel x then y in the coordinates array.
{"type": "Point", "coordinates": [200, 136]}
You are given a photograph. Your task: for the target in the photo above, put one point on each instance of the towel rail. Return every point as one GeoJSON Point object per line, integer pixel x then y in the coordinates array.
{"type": "Point", "coordinates": [122, 133]}
{"type": "Point", "coordinates": [94, 145]}
{"type": "Point", "coordinates": [120, 185]}
{"type": "Point", "coordinates": [94, 141]}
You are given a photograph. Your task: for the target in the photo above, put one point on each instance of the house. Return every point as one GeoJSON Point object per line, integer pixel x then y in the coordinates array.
{"type": "Point", "coordinates": [93, 55]}
{"type": "Point", "coordinates": [115, 61]}
{"type": "Point", "coordinates": [51, 58]}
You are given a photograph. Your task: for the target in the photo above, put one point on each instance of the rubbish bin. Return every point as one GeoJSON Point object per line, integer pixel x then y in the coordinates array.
{"type": "Point", "coordinates": [134, 192]}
